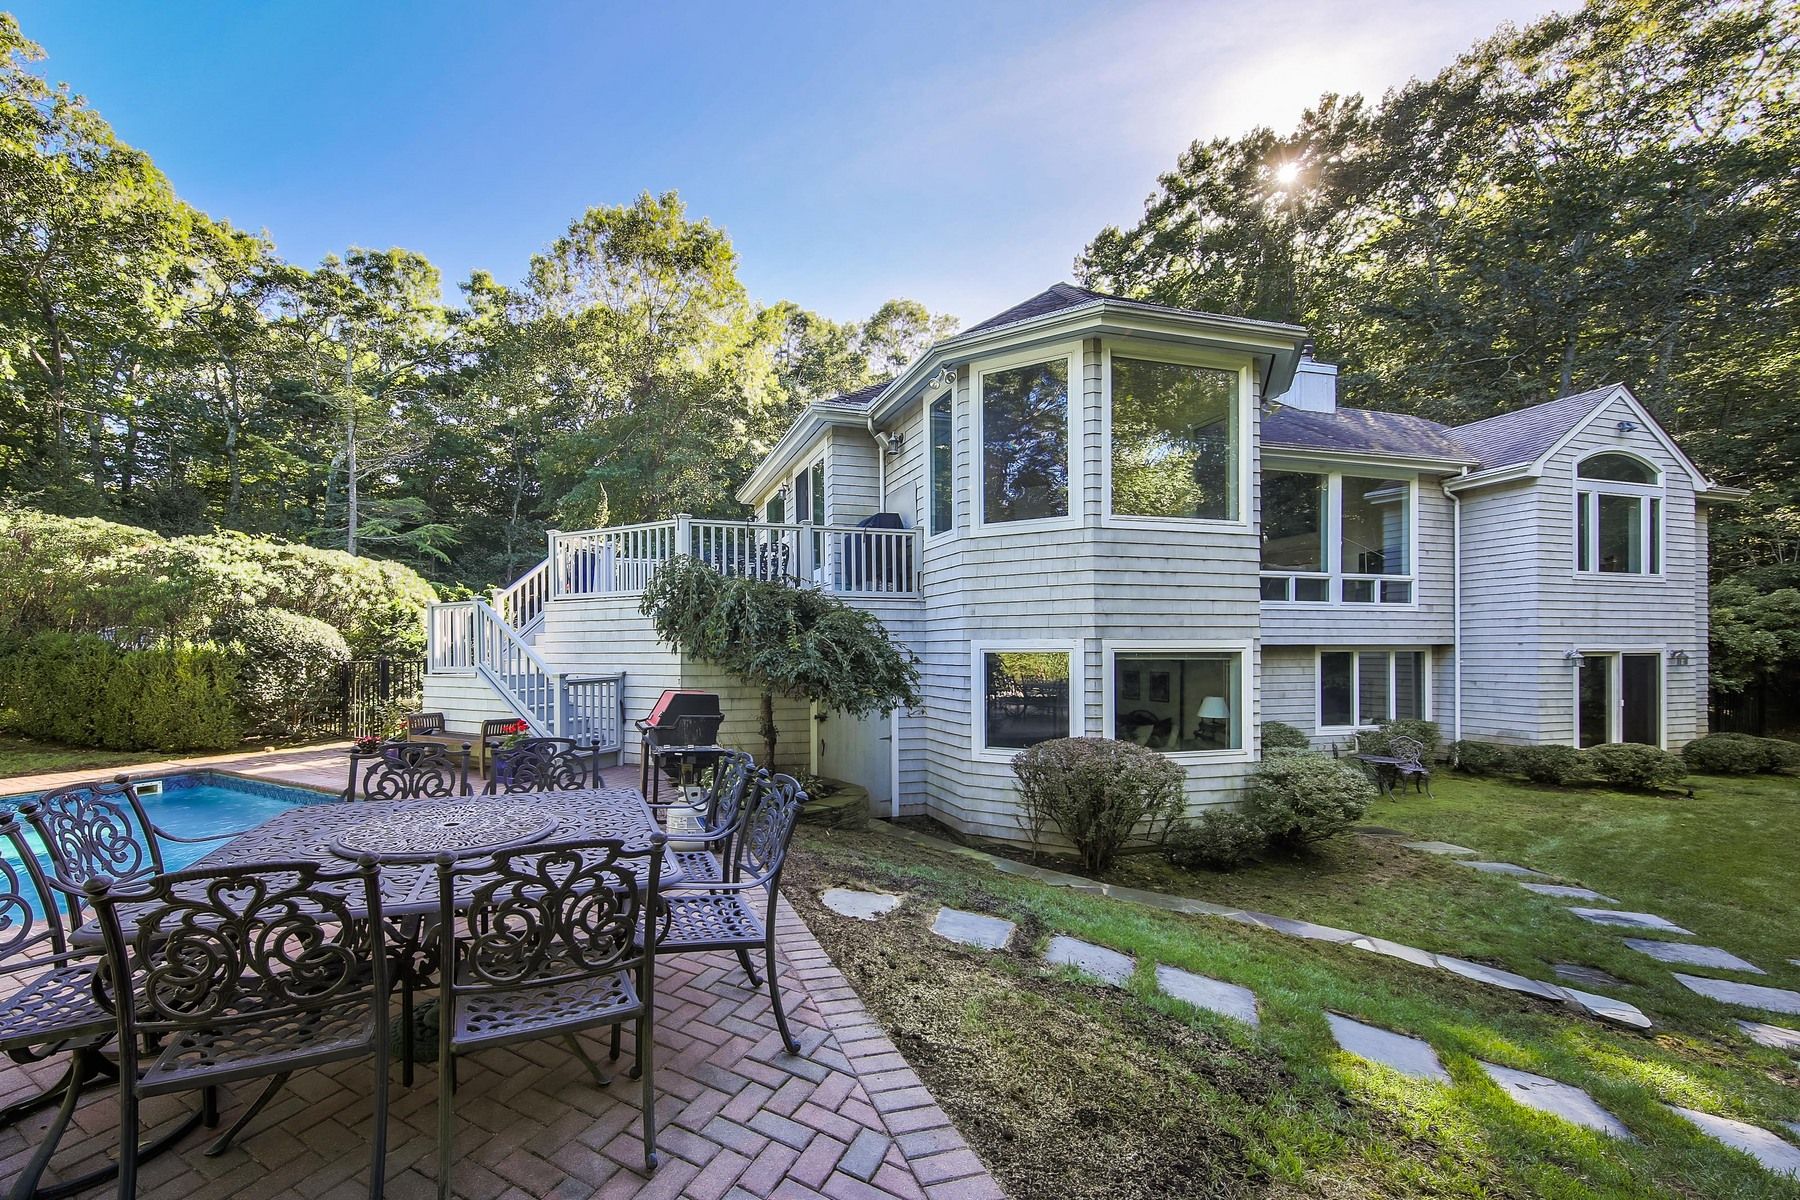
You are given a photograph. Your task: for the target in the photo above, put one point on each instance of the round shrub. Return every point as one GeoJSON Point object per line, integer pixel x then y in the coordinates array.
{"type": "Point", "coordinates": [1558, 766]}
{"type": "Point", "coordinates": [1219, 839]}
{"type": "Point", "coordinates": [1783, 755]}
{"type": "Point", "coordinates": [1426, 733]}
{"type": "Point", "coordinates": [1097, 792]}
{"type": "Point", "coordinates": [289, 679]}
{"type": "Point", "coordinates": [1726, 754]}
{"type": "Point", "coordinates": [1482, 758]}
{"type": "Point", "coordinates": [1279, 735]}
{"type": "Point", "coordinates": [1299, 799]}
{"type": "Point", "coordinates": [1634, 765]}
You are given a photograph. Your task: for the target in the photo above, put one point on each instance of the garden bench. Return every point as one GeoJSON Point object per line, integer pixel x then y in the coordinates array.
{"type": "Point", "coordinates": [1404, 760]}
{"type": "Point", "coordinates": [429, 727]}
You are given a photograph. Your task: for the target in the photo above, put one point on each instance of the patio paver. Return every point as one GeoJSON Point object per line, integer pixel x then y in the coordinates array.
{"type": "Point", "coordinates": [1564, 1100]}
{"type": "Point", "coordinates": [738, 1115]}
{"type": "Point", "coordinates": [1693, 956]}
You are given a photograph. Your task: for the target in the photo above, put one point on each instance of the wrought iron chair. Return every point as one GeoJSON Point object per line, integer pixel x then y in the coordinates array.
{"type": "Point", "coordinates": [408, 771]}
{"type": "Point", "coordinates": [245, 973]}
{"type": "Point", "coordinates": [100, 829]}
{"type": "Point", "coordinates": [722, 915]}
{"type": "Point", "coordinates": [544, 765]}
{"type": "Point", "coordinates": [545, 946]}
{"type": "Point", "coordinates": [701, 833]}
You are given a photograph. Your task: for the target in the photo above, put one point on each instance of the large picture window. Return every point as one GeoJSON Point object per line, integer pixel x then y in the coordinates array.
{"type": "Point", "coordinates": [1330, 537]}
{"type": "Point", "coordinates": [1025, 442]}
{"type": "Point", "coordinates": [1179, 700]}
{"type": "Point", "coordinates": [1175, 442]}
{"type": "Point", "coordinates": [1025, 697]}
{"type": "Point", "coordinates": [1618, 516]}
{"type": "Point", "coordinates": [942, 472]}
{"type": "Point", "coordinates": [1359, 687]}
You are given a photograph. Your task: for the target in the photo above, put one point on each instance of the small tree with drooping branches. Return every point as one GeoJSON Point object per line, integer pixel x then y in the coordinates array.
{"type": "Point", "coordinates": [788, 641]}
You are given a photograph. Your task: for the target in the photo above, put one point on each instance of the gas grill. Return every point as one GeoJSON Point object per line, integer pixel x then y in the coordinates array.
{"type": "Point", "coordinates": [680, 739]}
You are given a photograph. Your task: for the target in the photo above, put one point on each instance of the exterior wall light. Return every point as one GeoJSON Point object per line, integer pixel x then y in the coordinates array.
{"type": "Point", "coordinates": [1573, 655]}
{"type": "Point", "coordinates": [1679, 658]}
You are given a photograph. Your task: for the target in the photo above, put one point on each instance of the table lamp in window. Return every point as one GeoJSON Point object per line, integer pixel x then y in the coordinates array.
{"type": "Point", "coordinates": [1214, 712]}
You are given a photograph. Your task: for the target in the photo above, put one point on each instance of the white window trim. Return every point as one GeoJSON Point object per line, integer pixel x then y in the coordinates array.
{"type": "Point", "coordinates": [979, 525]}
{"type": "Point", "coordinates": [978, 651]}
{"type": "Point", "coordinates": [1150, 352]}
{"type": "Point", "coordinates": [1584, 488]}
{"type": "Point", "coordinates": [1318, 684]}
{"type": "Point", "coordinates": [1334, 545]}
{"type": "Point", "coordinates": [1615, 718]}
{"type": "Point", "coordinates": [1246, 692]}
{"type": "Point", "coordinates": [930, 398]}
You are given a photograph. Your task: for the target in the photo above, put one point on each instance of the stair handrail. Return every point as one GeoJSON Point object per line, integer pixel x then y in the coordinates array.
{"type": "Point", "coordinates": [521, 602]}
{"type": "Point", "coordinates": [503, 658]}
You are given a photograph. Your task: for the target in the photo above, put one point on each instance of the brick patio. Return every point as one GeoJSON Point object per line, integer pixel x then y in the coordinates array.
{"type": "Point", "coordinates": [847, 1119]}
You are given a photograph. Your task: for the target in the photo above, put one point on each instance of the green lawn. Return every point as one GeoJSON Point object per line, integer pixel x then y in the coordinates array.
{"type": "Point", "coordinates": [1066, 1088]}
{"type": "Point", "coordinates": [21, 757]}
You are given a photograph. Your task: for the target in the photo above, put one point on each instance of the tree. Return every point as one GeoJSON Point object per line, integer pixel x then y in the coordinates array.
{"type": "Point", "coordinates": [788, 641]}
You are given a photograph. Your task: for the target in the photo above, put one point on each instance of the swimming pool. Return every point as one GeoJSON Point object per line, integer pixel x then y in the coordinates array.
{"type": "Point", "coordinates": [195, 803]}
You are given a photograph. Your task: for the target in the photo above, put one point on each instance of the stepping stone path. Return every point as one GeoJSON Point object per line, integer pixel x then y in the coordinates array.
{"type": "Point", "coordinates": [1750, 995]}
{"type": "Point", "coordinates": [1616, 1011]}
{"type": "Point", "coordinates": [1559, 1099]}
{"type": "Point", "coordinates": [1765, 1147]}
{"type": "Point", "coordinates": [1108, 966]}
{"type": "Point", "coordinates": [1630, 920]}
{"type": "Point", "coordinates": [1592, 976]}
{"type": "Point", "coordinates": [864, 906]}
{"type": "Point", "coordinates": [1214, 995]}
{"type": "Point", "coordinates": [1773, 1036]}
{"type": "Point", "coordinates": [973, 929]}
{"type": "Point", "coordinates": [1694, 956]}
{"type": "Point", "coordinates": [1446, 848]}
{"type": "Point", "coordinates": [1564, 892]}
{"type": "Point", "coordinates": [1407, 1055]}
{"type": "Point", "coordinates": [1399, 950]}
{"type": "Point", "coordinates": [1499, 978]}
{"type": "Point", "coordinates": [1502, 868]}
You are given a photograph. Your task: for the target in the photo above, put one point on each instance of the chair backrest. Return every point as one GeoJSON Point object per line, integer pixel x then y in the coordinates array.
{"type": "Point", "coordinates": [545, 914]}
{"type": "Point", "coordinates": [760, 848]}
{"type": "Point", "coordinates": [544, 765]}
{"type": "Point", "coordinates": [408, 771]}
{"type": "Point", "coordinates": [1408, 750]}
{"type": "Point", "coordinates": [32, 933]}
{"type": "Point", "coordinates": [94, 830]}
{"type": "Point", "coordinates": [730, 784]}
{"type": "Point", "coordinates": [425, 722]}
{"type": "Point", "coordinates": [219, 949]}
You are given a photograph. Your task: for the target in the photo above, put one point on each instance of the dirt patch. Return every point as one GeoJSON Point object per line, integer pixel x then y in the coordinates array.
{"type": "Point", "coordinates": [1062, 1089]}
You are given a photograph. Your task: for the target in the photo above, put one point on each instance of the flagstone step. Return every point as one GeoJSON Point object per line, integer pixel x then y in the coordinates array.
{"type": "Point", "coordinates": [1772, 1151]}
{"type": "Point", "coordinates": [864, 906]}
{"type": "Point", "coordinates": [1407, 1055]}
{"type": "Point", "coordinates": [1563, 1100]}
{"type": "Point", "coordinates": [1108, 966]}
{"type": "Point", "coordinates": [1214, 995]}
{"type": "Point", "coordinates": [1750, 995]}
{"type": "Point", "coordinates": [973, 929]}
{"type": "Point", "coordinates": [1693, 956]}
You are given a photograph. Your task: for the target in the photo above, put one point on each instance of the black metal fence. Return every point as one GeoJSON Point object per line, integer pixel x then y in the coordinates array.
{"type": "Point", "coordinates": [1767, 708]}
{"type": "Point", "coordinates": [373, 689]}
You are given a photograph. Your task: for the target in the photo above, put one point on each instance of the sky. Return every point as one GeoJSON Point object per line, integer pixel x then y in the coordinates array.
{"type": "Point", "coordinates": [959, 153]}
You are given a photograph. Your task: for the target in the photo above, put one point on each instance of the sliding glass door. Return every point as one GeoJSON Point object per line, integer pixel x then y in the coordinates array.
{"type": "Point", "coordinates": [1618, 698]}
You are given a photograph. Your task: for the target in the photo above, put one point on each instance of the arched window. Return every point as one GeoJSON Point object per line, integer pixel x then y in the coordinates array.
{"type": "Point", "coordinates": [1618, 515]}
{"type": "Point", "coordinates": [1617, 468]}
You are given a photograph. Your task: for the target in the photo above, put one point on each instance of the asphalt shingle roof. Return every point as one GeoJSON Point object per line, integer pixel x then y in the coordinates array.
{"type": "Point", "coordinates": [1361, 430]}
{"type": "Point", "coordinates": [1522, 435]}
{"type": "Point", "coordinates": [1054, 298]}
{"type": "Point", "coordinates": [860, 398]}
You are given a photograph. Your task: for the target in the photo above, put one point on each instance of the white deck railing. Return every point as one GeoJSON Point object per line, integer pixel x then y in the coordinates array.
{"type": "Point", "coordinates": [844, 559]}
{"type": "Point", "coordinates": [521, 602]}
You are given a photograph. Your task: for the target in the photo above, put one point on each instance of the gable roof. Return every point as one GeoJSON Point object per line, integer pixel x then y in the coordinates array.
{"type": "Point", "coordinates": [1362, 431]}
{"type": "Point", "coordinates": [860, 398]}
{"type": "Point", "coordinates": [1526, 434]}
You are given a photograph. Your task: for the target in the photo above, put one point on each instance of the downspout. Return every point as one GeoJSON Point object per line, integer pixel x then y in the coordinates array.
{"type": "Point", "coordinates": [1456, 654]}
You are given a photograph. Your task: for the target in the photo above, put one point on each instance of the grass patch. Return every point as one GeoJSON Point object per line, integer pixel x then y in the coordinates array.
{"type": "Point", "coordinates": [1066, 1088]}
{"type": "Point", "coordinates": [18, 756]}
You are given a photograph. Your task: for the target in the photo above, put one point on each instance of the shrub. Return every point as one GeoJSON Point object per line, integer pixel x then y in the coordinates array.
{"type": "Point", "coordinates": [1298, 799]}
{"type": "Point", "coordinates": [1482, 758]}
{"type": "Point", "coordinates": [1097, 791]}
{"type": "Point", "coordinates": [1726, 754]}
{"type": "Point", "coordinates": [1377, 740]}
{"type": "Point", "coordinates": [290, 676]}
{"type": "Point", "coordinates": [1219, 839]}
{"type": "Point", "coordinates": [1783, 755]}
{"type": "Point", "coordinates": [1279, 735]}
{"type": "Point", "coordinates": [1634, 765]}
{"type": "Point", "coordinates": [81, 690]}
{"type": "Point", "coordinates": [1558, 766]}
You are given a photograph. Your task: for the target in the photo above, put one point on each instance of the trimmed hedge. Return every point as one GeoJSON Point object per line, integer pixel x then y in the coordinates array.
{"type": "Point", "coordinates": [81, 690]}
{"type": "Point", "coordinates": [290, 673]}
{"type": "Point", "coordinates": [1299, 799]}
{"type": "Point", "coordinates": [1558, 766]}
{"type": "Point", "coordinates": [1740, 754]}
{"type": "Point", "coordinates": [1426, 733]}
{"type": "Point", "coordinates": [1634, 765]}
{"type": "Point", "coordinates": [1279, 735]}
{"type": "Point", "coordinates": [1482, 758]}
{"type": "Point", "coordinates": [1219, 839]}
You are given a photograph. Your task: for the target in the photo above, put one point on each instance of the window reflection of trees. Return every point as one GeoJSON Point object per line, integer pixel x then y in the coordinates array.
{"type": "Point", "coordinates": [1174, 440]}
{"type": "Point", "coordinates": [1025, 436]}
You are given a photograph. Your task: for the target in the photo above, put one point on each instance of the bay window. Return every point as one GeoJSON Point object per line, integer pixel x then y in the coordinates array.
{"type": "Point", "coordinates": [1024, 414]}
{"type": "Point", "coordinates": [1024, 696]}
{"type": "Point", "coordinates": [1359, 687]}
{"type": "Point", "coordinates": [1175, 440]}
{"type": "Point", "coordinates": [1331, 537]}
{"type": "Point", "coordinates": [1618, 516]}
{"type": "Point", "coordinates": [1179, 700]}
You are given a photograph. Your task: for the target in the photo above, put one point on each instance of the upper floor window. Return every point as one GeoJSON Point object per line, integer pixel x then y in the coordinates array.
{"type": "Point", "coordinates": [1025, 442]}
{"type": "Point", "coordinates": [1618, 515]}
{"type": "Point", "coordinates": [1175, 443]}
{"type": "Point", "coordinates": [1333, 537]}
{"type": "Point", "coordinates": [941, 450]}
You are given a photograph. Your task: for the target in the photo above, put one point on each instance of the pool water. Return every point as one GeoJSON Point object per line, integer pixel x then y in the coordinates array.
{"type": "Point", "coordinates": [199, 803]}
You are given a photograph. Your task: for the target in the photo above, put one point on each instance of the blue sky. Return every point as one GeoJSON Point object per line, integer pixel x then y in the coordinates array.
{"type": "Point", "coordinates": [957, 153]}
